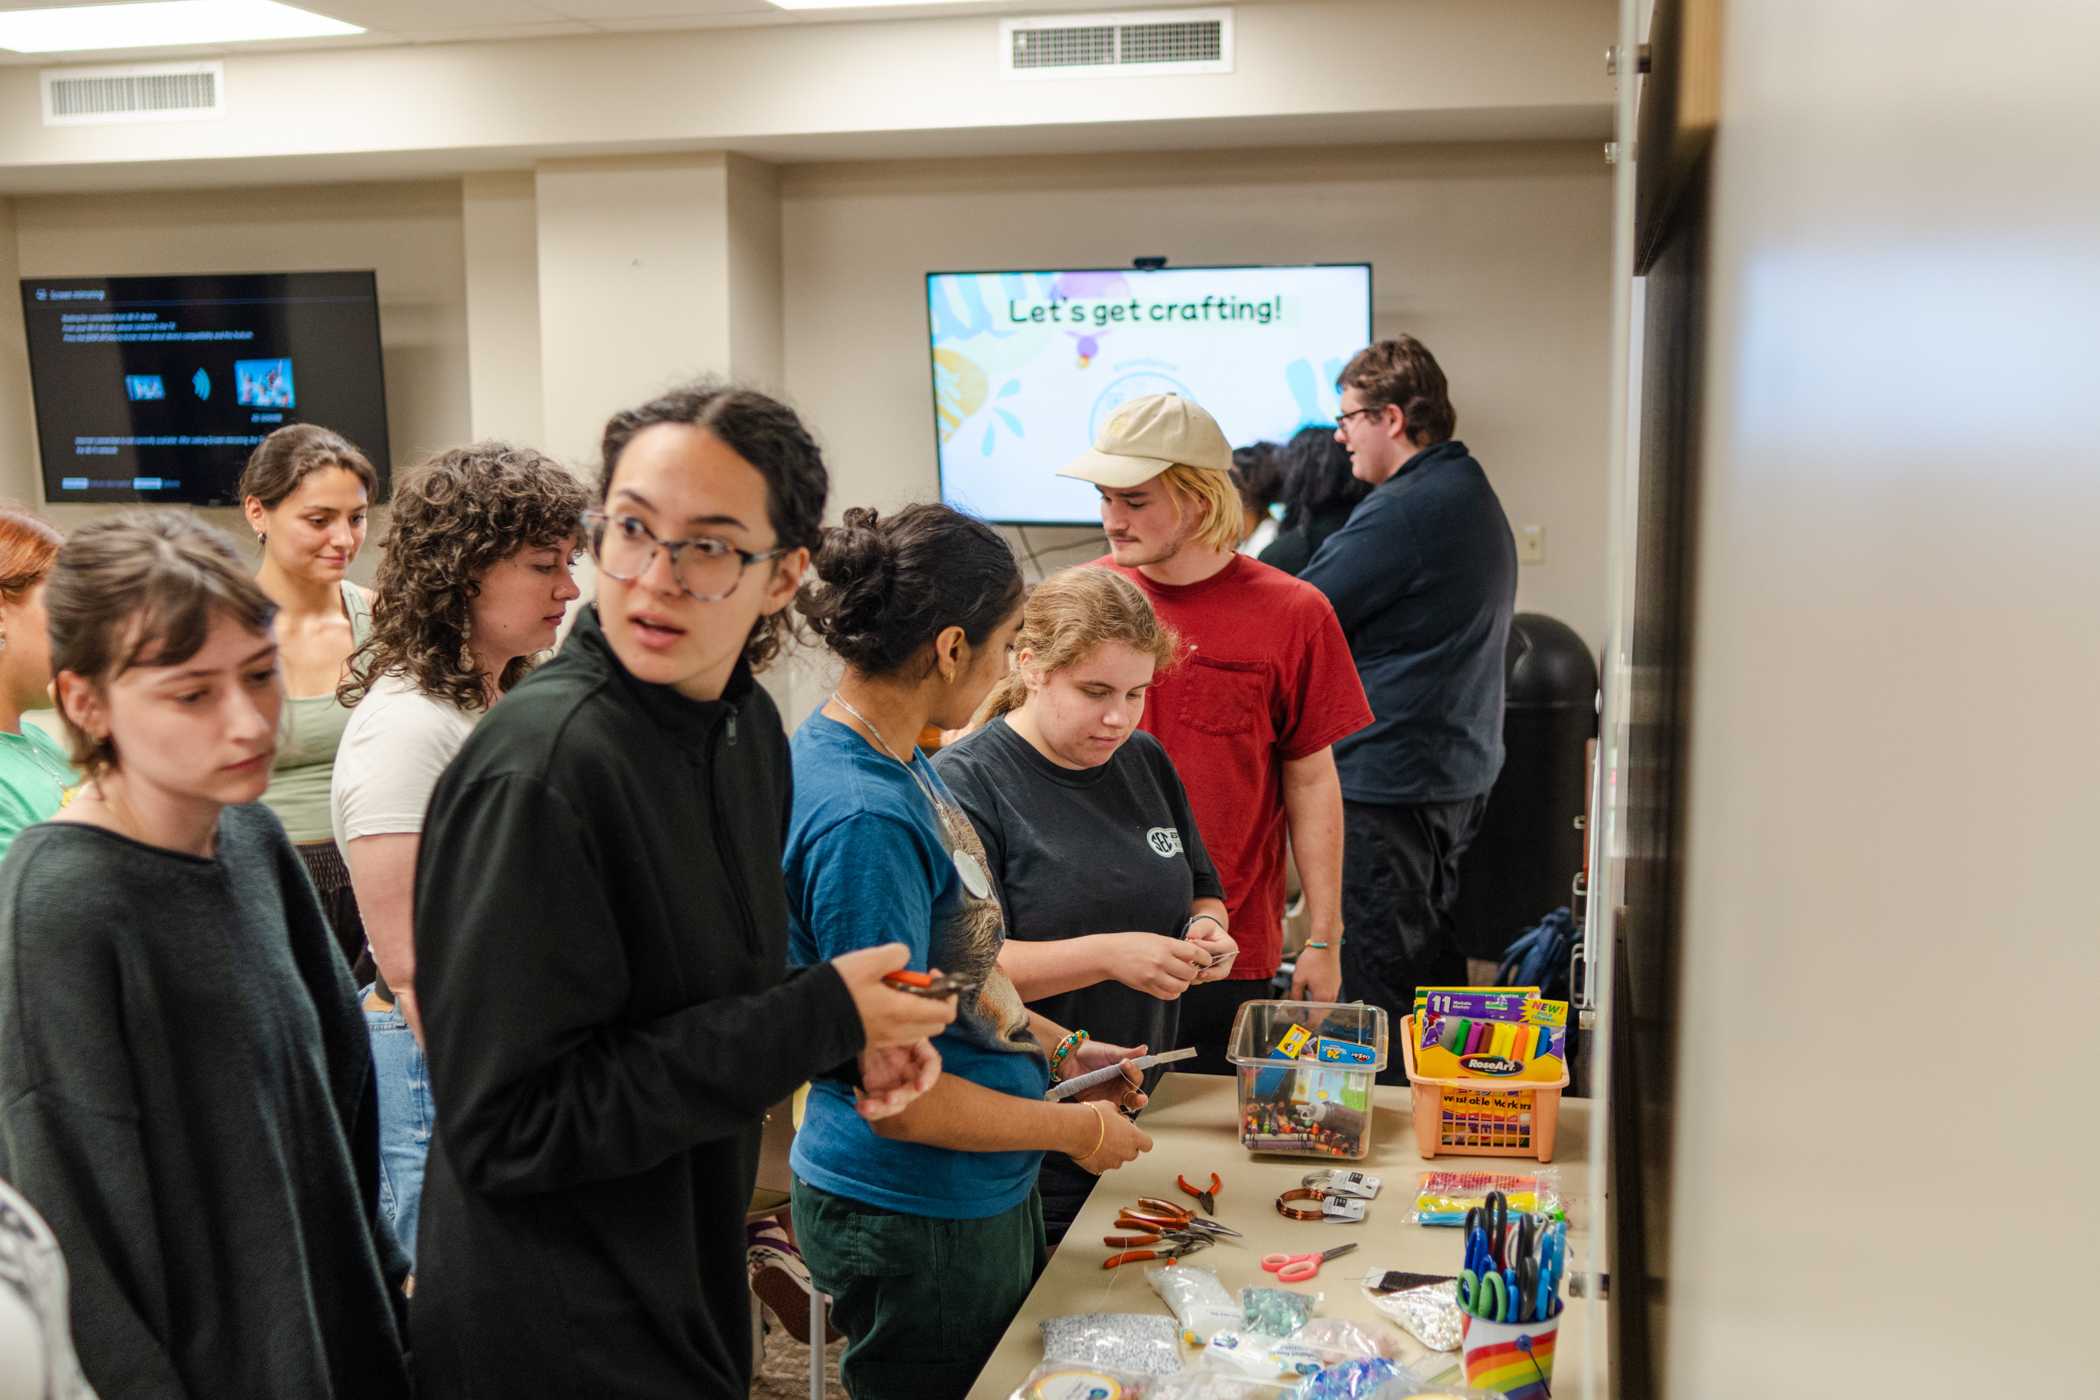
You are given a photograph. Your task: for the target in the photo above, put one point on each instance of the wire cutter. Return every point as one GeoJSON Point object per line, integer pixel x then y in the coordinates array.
{"type": "Point", "coordinates": [1207, 1198]}
{"type": "Point", "coordinates": [1176, 1246]}
{"type": "Point", "coordinates": [925, 984]}
{"type": "Point", "coordinates": [1161, 1217]}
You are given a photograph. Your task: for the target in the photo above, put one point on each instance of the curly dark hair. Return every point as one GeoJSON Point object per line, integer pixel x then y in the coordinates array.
{"type": "Point", "coordinates": [767, 434]}
{"type": "Point", "coordinates": [458, 515]}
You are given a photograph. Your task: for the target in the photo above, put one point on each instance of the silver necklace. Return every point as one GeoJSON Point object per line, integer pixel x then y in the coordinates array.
{"type": "Point", "coordinates": [967, 867]}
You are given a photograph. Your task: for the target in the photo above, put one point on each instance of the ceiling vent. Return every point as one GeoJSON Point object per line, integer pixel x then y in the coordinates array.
{"type": "Point", "coordinates": [1146, 43]}
{"type": "Point", "coordinates": [136, 92]}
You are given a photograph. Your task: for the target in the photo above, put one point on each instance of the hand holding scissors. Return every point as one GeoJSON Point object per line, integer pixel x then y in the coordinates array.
{"type": "Point", "coordinates": [1297, 1268]}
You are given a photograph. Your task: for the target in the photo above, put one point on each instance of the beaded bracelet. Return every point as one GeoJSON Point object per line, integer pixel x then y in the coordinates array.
{"type": "Point", "coordinates": [1065, 1047]}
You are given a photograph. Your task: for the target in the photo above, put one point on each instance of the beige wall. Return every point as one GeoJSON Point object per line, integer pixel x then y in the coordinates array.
{"type": "Point", "coordinates": [410, 233]}
{"type": "Point", "coordinates": [1495, 255]}
{"type": "Point", "coordinates": [500, 237]}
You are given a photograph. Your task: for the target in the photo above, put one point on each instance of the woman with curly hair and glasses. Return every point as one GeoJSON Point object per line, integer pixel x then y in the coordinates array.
{"type": "Point", "coordinates": [473, 587]}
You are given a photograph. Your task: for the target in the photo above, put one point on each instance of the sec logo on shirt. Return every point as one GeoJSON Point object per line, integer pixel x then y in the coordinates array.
{"type": "Point", "coordinates": [1165, 841]}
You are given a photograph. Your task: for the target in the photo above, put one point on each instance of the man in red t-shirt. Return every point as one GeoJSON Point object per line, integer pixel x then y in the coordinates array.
{"type": "Point", "coordinates": [1251, 716]}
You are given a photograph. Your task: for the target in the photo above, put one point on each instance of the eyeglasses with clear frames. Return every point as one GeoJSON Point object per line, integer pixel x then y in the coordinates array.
{"type": "Point", "coordinates": [706, 569]}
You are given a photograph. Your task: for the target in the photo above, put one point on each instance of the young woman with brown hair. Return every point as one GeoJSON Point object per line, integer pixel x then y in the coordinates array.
{"type": "Point", "coordinates": [306, 492]}
{"type": "Point", "coordinates": [474, 584]}
{"type": "Point", "coordinates": [185, 1083]}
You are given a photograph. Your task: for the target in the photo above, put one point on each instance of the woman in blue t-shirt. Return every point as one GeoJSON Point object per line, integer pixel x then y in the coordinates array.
{"type": "Point", "coordinates": [925, 1228]}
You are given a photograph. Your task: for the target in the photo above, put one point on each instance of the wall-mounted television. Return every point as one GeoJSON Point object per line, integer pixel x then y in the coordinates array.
{"type": "Point", "coordinates": [1027, 365]}
{"type": "Point", "coordinates": [156, 388]}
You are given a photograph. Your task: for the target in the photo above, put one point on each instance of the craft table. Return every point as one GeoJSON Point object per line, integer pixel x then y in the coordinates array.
{"type": "Point", "coordinates": [1192, 1120]}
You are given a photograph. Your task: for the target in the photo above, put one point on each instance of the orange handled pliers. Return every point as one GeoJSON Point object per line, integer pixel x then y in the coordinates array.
{"type": "Point", "coordinates": [1207, 1199]}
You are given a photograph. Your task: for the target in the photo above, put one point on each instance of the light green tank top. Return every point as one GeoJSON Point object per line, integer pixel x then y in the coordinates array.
{"type": "Point", "coordinates": [308, 733]}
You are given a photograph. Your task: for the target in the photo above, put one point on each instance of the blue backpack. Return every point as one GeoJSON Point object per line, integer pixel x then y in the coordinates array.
{"type": "Point", "coordinates": [1539, 958]}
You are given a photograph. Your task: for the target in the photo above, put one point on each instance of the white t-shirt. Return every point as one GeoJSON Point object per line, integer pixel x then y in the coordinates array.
{"type": "Point", "coordinates": [396, 746]}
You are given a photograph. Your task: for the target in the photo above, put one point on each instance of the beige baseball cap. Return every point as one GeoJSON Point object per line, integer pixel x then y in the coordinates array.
{"type": "Point", "coordinates": [1146, 436]}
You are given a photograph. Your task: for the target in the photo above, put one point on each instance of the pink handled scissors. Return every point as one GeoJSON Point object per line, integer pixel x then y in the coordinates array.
{"type": "Point", "coordinates": [1297, 1268]}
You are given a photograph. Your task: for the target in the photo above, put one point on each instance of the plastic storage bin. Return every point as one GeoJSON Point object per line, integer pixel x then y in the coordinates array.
{"type": "Point", "coordinates": [1473, 1118]}
{"type": "Point", "coordinates": [1315, 1102]}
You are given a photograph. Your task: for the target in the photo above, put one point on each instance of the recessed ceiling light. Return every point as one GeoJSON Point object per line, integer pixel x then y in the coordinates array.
{"type": "Point", "coordinates": [158, 25]}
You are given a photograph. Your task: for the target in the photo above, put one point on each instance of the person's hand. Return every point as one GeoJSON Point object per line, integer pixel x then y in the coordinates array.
{"type": "Point", "coordinates": [889, 1017]}
{"type": "Point", "coordinates": [1109, 1140]}
{"type": "Point", "coordinates": [1318, 976]}
{"type": "Point", "coordinates": [893, 1076]}
{"type": "Point", "coordinates": [1216, 944]}
{"type": "Point", "coordinates": [1153, 963]}
{"type": "Point", "coordinates": [1122, 1092]}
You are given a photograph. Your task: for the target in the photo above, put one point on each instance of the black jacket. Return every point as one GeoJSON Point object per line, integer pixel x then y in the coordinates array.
{"type": "Point", "coordinates": [601, 937]}
{"type": "Point", "coordinates": [1294, 547]}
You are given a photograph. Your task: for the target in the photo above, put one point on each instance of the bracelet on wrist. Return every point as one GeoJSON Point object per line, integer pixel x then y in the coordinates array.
{"type": "Point", "coordinates": [1320, 943]}
{"type": "Point", "coordinates": [1101, 1121]}
{"type": "Point", "coordinates": [1065, 1047]}
{"type": "Point", "coordinates": [1195, 919]}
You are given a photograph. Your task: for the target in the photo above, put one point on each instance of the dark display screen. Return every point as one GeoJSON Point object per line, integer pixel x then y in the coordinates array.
{"type": "Point", "coordinates": [157, 388]}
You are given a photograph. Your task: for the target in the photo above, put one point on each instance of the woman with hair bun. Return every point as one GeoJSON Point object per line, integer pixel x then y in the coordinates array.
{"type": "Point", "coordinates": [475, 583]}
{"type": "Point", "coordinates": [925, 1227]}
{"type": "Point", "coordinates": [35, 774]}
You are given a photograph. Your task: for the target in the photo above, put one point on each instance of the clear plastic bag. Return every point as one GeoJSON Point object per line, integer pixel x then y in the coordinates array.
{"type": "Point", "coordinates": [1375, 1378]}
{"type": "Point", "coordinates": [1276, 1312]}
{"type": "Point", "coordinates": [1264, 1358]}
{"type": "Point", "coordinates": [1141, 1344]}
{"type": "Point", "coordinates": [1202, 1305]}
{"type": "Point", "coordinates": [1339, 1339]}
{"type": "Point", "coordinates": [1444, 1197]}
{"type": "Point", "coordinates": [1204, 1383]}
{"type": "Point", "coordinates": [1429, 1313]}
{"type": "Point", "coordinates": [1061, 1380]}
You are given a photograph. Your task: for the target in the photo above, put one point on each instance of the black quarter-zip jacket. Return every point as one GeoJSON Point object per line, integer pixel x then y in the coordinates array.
{"type": "Point", "coordinates": [601, 940]}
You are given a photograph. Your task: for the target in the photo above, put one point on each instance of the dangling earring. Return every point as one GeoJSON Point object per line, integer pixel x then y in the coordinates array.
{"type": "Point", "coordinates": [466, 655]}
{"type": "Point", "coordinates": [3, 642]}
{"type": "Point", "coordinates": [262, 537]}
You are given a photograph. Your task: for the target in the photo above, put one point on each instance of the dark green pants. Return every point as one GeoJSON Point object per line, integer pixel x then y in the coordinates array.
{"type": "Point", "coordinates": [922, 1300]}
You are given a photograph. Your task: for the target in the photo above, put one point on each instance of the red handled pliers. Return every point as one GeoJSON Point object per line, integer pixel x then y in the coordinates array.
{"type": "Point", "coordinates": [1208, 1199]}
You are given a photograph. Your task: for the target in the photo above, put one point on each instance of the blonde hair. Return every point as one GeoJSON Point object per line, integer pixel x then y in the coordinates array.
{"type": "Point", "coordinates": [1070, 614]}
{"type": "Point", "coordinates": [1214, 497]}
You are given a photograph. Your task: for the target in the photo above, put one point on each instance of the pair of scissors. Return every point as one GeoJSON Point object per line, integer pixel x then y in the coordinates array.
{"type": "Point", "coordinates": [1484, 1295]}
{"type": "Point", "coordinates": [1525, 1292]}
{"type": "Point", "coordinates": [1297, 1268]}
{"type": "Point", "coordinates": [1553, 1262]}
{"type": "Point", "coordinates": [1207, 1198]}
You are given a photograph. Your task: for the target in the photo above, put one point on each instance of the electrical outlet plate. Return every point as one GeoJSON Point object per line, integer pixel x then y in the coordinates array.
{"type": "Point", "coordinates": [1531, 544]}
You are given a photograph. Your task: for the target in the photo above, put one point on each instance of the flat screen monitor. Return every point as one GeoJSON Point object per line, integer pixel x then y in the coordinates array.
{"type": "Point", "coordinates": [157, 388]}
{"type": "Point", "coordinates": [1027, 366]}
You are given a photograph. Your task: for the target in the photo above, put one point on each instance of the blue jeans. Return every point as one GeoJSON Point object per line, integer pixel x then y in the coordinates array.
{"type": "Point", "coordinates": [405, 1118]}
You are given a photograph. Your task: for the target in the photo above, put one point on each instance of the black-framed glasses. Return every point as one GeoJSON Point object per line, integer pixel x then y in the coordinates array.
{"type": "Point", "coordinates": [1342, 419]}
{"type": "Point", "coordinates": [707, 569]}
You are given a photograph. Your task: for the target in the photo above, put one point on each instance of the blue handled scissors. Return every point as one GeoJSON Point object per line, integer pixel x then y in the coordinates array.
{"type": "Point", "coordinates": [1553, 1263]}
{"type": "Point", "coordinates": [1475, 1290]}
{"type": "Point", "coordinates": [1527, 1289]}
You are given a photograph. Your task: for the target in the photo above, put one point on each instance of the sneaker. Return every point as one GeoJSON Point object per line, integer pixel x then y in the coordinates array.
{"type": "Point", "coordinates": [781, 1280]}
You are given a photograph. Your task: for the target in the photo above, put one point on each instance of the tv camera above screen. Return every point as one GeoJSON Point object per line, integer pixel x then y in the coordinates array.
{"type": "Point", "coordinates": [1028, 365]}
{"type": "Point", "coordinates": [157, 388]}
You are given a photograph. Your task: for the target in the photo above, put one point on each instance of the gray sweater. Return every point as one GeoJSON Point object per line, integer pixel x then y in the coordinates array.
{"type": "Point", "coordinates": [186, 1094]}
